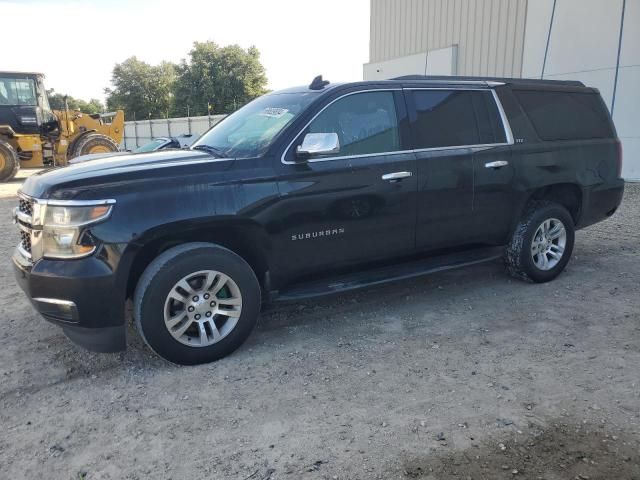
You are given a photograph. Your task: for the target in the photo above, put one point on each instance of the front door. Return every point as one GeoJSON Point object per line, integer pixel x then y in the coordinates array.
{"type": "Point", "coordinates": [354, 206]}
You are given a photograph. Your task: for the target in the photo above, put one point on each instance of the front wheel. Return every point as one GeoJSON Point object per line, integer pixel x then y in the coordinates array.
{"type": "Point", "coordinates": [542, 243]}
{"type": "Point", "coordinates": [196, 303]}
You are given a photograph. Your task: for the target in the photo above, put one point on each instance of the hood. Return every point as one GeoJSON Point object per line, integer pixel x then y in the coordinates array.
{"type": "Point", "coordinates": [94, 156]}
{"type": "Point", "coordinates": [79, 180]}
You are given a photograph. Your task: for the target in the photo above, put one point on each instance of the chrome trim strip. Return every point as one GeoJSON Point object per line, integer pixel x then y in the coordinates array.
{"type": "Point", "coordinates": [23, 252]}
{"type": "Point", "coordinates": [483, 146]}
{"type": "Point", "coordinates": [24, 228]}
{"type": "Point", "coordinates": [67, 203]}
{"type": "Point", "coordinates": [503, 117]}
{"type": "Point", "coordinates": [21, 216]}
{"type": "Point", "coordinates": [79, 203]}
{"type": "Point", "coordinates": [478, 147]}
{"type": "Point", "coordinates": [55, 301]}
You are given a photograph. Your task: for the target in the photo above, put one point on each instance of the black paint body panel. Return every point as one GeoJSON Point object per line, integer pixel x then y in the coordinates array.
{"type": "Point", "coordinates": [276, 208]}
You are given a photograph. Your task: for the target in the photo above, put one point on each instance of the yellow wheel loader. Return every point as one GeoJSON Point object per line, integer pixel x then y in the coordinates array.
{"type": "Point", "coordinates": [33, 135]}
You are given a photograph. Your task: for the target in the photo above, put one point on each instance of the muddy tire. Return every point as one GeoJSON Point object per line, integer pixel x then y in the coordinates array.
{"type": "Point", "coordinates": [196, 303]}
{"type": "Point", "coordinates": [9, 162]}
{"type": "Point", "coordinates": [542, 243]}
{"type": "Point", "coordinates": [93, 143]}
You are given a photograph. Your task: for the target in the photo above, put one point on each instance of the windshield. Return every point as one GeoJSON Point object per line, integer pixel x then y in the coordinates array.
{"type": "Point", "coordinates": [251, 130]}
{"type": "Point", "coordinates": [17, 91]}
{"type": "Point", "coordinates": [151, 146]}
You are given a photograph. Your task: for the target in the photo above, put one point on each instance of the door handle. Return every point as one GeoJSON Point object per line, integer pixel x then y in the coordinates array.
{"type": "Point", "coordinates": [396, 175]}
{"type": "Point", "coordinates": [496, 164]}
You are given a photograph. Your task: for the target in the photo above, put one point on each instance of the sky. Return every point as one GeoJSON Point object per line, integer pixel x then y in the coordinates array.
{"type": "Point", "coordinates": [76, 43]}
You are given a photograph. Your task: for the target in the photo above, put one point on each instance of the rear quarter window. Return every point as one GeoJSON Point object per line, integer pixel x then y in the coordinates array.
{"type": "Point", "coordinates": [566, 115]}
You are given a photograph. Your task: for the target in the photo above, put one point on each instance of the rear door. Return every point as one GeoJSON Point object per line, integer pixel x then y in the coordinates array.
{"type": "Point", "coordinates": [493, 172]}
{"type": "Point", "coordinates": [354, 206]}
{"type": "Point", "coordinates": [464, 167]}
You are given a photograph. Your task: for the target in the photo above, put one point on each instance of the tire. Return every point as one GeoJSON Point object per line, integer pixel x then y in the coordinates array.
{"type": "Point", "coordinates": [155, 311]}
{"type": "Point", "coordinates": [9, 162]}
{"type": "Point", "coordinates": [93, 143]}
{"type": "Point", "coordinates": [529, 237]}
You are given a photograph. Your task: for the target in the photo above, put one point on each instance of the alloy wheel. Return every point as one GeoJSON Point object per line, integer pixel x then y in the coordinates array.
{"type": "Point", "coordinates": [202, 308]}
{"type": "Point", "coordinates": [548, 244]}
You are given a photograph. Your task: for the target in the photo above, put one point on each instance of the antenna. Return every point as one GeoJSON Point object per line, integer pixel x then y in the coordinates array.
{"type": "Point", "coordinates": [318, 83]}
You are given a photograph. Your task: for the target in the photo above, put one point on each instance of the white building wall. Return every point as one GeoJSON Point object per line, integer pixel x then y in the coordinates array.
{"type": "Point", "coordinates": [626, 112]}
{"type": "Point", "coordinates": [579, 40]}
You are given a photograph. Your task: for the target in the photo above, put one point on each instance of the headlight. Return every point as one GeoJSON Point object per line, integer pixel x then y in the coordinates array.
{"type": "Point", "coordinates": [63, 225]}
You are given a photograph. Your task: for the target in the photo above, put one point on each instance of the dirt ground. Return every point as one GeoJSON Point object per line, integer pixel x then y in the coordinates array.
{"type": "Point", "coordinates": [461, 375]}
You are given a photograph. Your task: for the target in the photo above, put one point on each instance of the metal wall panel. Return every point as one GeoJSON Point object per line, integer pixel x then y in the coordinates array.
{"type": "Point", "coordinates": [489, 33]}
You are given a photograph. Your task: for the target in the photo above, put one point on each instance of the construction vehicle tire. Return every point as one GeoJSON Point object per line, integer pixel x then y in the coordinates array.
{"type": "Point", "coordinates": [9, 162]}
{"type": "Point", "coordinates": [94, 143]}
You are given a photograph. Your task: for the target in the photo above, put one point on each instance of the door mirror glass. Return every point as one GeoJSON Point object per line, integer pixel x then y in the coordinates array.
{"type": "Point", "coordinates": [316, 144]}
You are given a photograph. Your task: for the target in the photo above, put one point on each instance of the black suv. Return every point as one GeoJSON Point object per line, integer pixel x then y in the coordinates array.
{"type": "Point", "coordinates": [316, 190]}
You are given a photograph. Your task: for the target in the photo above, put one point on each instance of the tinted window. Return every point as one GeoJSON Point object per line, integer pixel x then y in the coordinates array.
{"type": "Point", "coordinates": [490, 127]}
{"type": "Point", "coordinates": [566, 115]}
{"type": "Point", "coordinates": [365, 123]}
{"type": "Point", "coordinates": [447, 118]}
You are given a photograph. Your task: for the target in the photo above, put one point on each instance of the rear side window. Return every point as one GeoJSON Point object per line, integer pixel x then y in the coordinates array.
{"type": "Point", "coordinates": [566, 115]}
{"type": "Point", "coordinates": [366, 123]}
{"type": "Point", "coordinates": [449, 118]}
{"type": "Point", "coordinates": [490, 127]}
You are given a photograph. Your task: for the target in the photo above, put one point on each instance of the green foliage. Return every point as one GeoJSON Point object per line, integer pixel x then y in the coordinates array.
{"type": "Point", "coordinates": [56, 101]}
{"type": "Point", "coordinates": [224, 78]}
{"type": "Point", "coordinates": [142, 90]}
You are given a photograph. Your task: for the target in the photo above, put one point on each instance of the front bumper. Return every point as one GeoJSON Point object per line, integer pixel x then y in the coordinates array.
{"type": "Point", "coordinates": [78, 295]}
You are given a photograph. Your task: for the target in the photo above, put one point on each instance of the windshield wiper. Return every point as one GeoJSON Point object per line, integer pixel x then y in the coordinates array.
{"type": "Point", "coordinates": [212, 150]}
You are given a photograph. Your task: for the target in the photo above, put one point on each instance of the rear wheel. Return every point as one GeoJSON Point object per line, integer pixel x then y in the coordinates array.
{"type": "Point", "coordinates": [542, 243]}
{"type": "Point", "coordinates": [196, 303]}
{"type": "Point", "coordinates": [9, 162]}
{"type": "Point", "coordinates": [94, 143]}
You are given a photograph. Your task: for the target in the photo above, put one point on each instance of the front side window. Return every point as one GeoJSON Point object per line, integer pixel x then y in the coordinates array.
{"type": "Point", "coordinates": [17, 91]}
{"type": "Point", "coordinates": [366, 123]}
{"type": "Point", "coordinates": [251, 130]}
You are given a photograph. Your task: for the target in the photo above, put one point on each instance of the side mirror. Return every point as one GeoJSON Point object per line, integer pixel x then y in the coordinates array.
{"type": "Point", "coordinates": [316, 144]}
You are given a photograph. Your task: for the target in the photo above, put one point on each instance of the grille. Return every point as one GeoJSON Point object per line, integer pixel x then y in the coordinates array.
{"type": "Point", "coordinates": [26, 207]}
{"type": "Point", "coordinates": [25, 241]}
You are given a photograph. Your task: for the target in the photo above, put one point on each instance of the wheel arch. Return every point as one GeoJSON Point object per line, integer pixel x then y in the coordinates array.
{"type": "Point", "coordinates": [569, 195]}
{"type": "Point", "coordinates": [246, 238]}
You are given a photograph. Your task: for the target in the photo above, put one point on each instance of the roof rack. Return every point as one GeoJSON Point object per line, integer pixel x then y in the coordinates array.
{"type": "Point", "coordinates": [490, 81]}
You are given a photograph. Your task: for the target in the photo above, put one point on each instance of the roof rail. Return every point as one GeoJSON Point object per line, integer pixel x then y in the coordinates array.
{"type": "Point", "coordinates": [490, 81]}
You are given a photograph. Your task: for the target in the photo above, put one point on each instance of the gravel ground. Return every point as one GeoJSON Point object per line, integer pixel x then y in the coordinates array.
{"type": "Point", "coordinates": [466, 374]}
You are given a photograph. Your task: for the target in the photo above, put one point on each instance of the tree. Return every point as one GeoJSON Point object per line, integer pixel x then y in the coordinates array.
{"type": "Point", "coordinates": [142, 90]}
{"type": "Point", "coordinates": [56, 101]}
{"type": "Point", "coordinates": [224, 77]}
